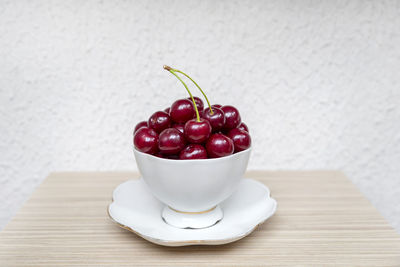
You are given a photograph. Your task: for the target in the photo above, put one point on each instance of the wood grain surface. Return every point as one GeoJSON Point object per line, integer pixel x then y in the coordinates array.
{"type": "Point", "coordinates": [322, 220]}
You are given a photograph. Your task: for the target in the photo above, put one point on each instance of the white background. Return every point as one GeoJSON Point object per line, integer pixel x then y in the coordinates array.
{"type": "Point", "coordinates": [317, 82]}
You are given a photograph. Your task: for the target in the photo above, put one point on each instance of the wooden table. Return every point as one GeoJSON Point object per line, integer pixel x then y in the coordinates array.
{"type": "Point", "coordinates": [322, 220]}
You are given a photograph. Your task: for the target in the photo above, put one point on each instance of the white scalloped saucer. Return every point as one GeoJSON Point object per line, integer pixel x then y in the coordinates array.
{"type": "Point", "coordinates": [137, 210]}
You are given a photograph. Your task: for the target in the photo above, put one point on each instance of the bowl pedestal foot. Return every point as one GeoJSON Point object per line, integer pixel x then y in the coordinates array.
{"type": "Point", "coordinates": [193, 220]}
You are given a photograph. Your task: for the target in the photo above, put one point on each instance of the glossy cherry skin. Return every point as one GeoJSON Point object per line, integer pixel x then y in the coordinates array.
{"type": "Point", "coordinates": [243, 126]}
{"type": "Point", "coordinates": [167, 110]}
{"type": "Point", "coordinates": [219, 145]}
{"type": "Point", "coordinates": [140, 125]}
{"type": "Point", "coordinates": [179, 127]}
{"type": "Point", "coordinates": [216, 106]}
{"type": "Point", "coordinates": [199, 103]}
{"type": "Point", "coordinates": [171, 141]}
{"type": "Point", "coordinates": [241, 139]}
{"type": "Point", "coordinates": [232, 117]}
{"type": "Point", "coordinates": [193, 151]}
{"type": "Point", "coordinates": [197, 132]}
{"type": "Point", "coordinates": [182, 110]}
{"type": "Point", "coordinates": [217, 119]}
{"type": "Point", "coordinates": [159, 121]}
{"type": "Point", "coordinates": [146, 140]}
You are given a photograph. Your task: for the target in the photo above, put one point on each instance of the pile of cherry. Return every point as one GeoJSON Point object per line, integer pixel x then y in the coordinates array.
{"type": "Point", "coordinates": [187, 130]}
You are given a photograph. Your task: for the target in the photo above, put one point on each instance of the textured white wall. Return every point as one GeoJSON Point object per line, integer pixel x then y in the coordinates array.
{"type": "Point", "coordinates": [317, 82]}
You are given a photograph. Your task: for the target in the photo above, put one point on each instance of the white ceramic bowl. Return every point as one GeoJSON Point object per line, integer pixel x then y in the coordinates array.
{"type": "Point", "coordinates": [192, 186]}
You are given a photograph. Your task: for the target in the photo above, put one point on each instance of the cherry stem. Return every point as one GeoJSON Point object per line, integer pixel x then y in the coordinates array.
{"type": "Point", "coordinates": [208, 102]}
{"type": "Point", "coordinates": [187, 89]}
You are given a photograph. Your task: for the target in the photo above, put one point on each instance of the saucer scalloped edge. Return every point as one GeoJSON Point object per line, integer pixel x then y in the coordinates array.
{"type": "Point", "coordinates": [134, 208]}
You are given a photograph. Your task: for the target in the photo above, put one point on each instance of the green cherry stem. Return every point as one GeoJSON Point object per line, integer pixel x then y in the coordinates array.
{"type": "Point", "coordinates": [187, 89]}
{"type": "Point", "coordinates": [208, 102]}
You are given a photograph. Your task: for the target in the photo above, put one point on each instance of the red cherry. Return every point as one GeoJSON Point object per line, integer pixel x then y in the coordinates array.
{"type": "Point", "coordinates": [171, 141]}
{"type": "Point", "coordinates": [199, 103]}
{"type": "Point", "coordinates": [232, 117]}
{"type": "Point", "coordinates": [179, 127]}
{"type": "Point", "coordinates": [243, 126]}
{"type": "Point", "coordinates": [160, 155]}
{"type": "Point", "coordinates": [219, 145]}
{"type": "Point", "coordinates": [167, 110]}
{"type": "Point", "coordinates": [159, 121]}
{"type": "Point", "coordinates": [173, 157]}
{"type": "Point", "coordinates": [216, 106]}
{"type": "Point", "coordinates": [140, 125]}
{"type": "Point", "coordinates": [182, 110]}
{"type": "Point", "coordinates": [241, 139]}
{"type": "Point", "coordinates": [217, 119]}
{"type": "Point", "coordinates": [146, 140]}
{"type": "Point", "coordinates": [193, 151]}
{"type": "Point", "coordinates": [197, 131]}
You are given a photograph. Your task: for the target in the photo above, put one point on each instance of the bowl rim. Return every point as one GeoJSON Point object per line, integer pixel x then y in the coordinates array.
{"type": "Point", "coordinates": [193, 160]}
